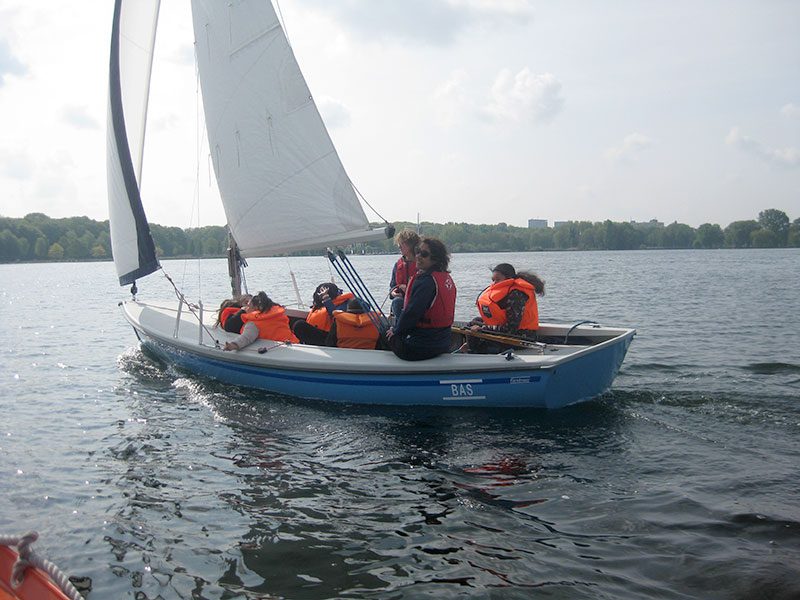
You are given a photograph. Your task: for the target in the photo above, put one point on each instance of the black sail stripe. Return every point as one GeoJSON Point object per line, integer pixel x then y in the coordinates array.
{"type": "Point", "coordinates": [144, 240]}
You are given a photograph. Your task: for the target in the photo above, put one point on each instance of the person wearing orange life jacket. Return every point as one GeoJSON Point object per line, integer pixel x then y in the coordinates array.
{"type": "Point", "coordinates": [229, 316]}
{"type": "Point", "coordinates": [403, 270]}
{"type": "Point", "coordinates": [423, 329]}
{"type": "Point", "coordinates": [353, 328]}
{"type": "Point", "coordinates": [263, 319]}
{"type": "Point", "coordinates": [508, 305]}
{"type": "Point", "coordinates": [327, 298]}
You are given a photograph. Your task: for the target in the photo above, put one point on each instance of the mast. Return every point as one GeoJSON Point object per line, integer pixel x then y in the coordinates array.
{"type": "Point", "coordinates": [236, 265]}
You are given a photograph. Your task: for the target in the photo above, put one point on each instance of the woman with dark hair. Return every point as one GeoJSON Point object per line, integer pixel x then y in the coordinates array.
{"type": "Point", "coordinates": [327, 298]}
{"type": "Point", "coordinates": [508, 305]}
{"type": "Point", "coordinates": [263, 319]}
{"type": "Point", "coordinates": [423, 329]}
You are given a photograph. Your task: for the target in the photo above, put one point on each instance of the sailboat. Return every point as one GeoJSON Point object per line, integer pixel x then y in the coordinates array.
{"type": "Point", "coordinates": [284, 189]}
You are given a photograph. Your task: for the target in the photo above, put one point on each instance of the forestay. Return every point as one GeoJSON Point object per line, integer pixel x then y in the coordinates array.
{"type": "Point", "coordinates": [282, 183]}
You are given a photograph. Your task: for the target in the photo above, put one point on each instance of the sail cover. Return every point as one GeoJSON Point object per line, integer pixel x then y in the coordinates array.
{"type": "Point", "coordinates": [281, 181]}
{"type": "Point", "coordinates": [132, 40]}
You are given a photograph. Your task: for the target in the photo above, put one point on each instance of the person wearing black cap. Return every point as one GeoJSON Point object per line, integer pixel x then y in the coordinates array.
{"type": "Point", "coordinates": [327, 298]}
{"type": "Point", "coordinates": [354, 327]}
{"type": "Point", "coordinates": [509, 304]}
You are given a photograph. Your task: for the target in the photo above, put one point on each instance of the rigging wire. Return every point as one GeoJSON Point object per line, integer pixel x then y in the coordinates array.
{"type": "Point", "coordinates": [192, 308]}
{"type": "Point", "coordinates": [360, 195]}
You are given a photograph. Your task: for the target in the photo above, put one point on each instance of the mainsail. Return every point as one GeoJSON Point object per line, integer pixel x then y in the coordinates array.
{"type": "Point", "coordinates": [282, 183]}
{"type": "Point", "coordinates": [132, 40]}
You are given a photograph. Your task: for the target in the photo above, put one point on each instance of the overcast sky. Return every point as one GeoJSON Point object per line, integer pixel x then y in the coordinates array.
{"type": "Point", "coordinates": [460, 110]}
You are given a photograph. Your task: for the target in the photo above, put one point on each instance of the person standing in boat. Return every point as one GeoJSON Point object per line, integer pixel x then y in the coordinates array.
{"type": "Point", "coordinates": [508, 305]}
{"type": "Point", "coordinates": [327, 298]}
{"type": "Point", "coordinates": [404, 269]}
{"type": "Point", "coordinates": [423, 329]}
{"type": "Point", "coordinates": [263, 319]}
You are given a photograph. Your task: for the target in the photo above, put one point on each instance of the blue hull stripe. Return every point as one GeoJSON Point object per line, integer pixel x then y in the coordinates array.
{"type": "Point", "coordinates": [389, 380]}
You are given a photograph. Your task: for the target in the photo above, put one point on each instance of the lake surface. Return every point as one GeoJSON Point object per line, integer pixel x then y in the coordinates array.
{"type": "Point", "coordinates": [682, 482]}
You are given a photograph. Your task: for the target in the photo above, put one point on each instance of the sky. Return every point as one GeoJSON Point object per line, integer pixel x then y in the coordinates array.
{"type": "Point", "coordinates": [478, 111]}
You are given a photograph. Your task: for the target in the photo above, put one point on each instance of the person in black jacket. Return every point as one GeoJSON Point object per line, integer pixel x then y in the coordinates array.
{"type": "Point", "coordinates": [424, 327]}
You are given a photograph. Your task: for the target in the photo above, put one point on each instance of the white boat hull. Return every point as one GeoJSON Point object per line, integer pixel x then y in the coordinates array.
{"type": "Point", "coordinates": [551, 376]}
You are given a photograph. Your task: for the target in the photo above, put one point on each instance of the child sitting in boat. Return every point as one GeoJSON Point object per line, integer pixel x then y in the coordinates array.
{"type": "Point", "coordinates": [263, 319]}
{"type": "Point", "coordinates": [229, 315]}
{"type": "Point", "coordinates": [508, 306]}
{"type": "Point", "coordinates": [327, 298]}
{"type": "Point", "coordinates": [354, 328]}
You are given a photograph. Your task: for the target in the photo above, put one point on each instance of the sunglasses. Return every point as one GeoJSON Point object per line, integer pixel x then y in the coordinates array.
{"type": "Point", "coordinates": [422, 253]}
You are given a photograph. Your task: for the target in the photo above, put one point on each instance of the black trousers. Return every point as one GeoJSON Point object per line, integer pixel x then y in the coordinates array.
{"type": "Point", "coordinates": [308, 334]}
{"type": "Point", "coordinates": [405, 348]}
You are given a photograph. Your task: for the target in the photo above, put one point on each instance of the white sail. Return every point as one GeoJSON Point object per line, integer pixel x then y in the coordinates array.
{"type": "Point", "coordinates": [132, 40]}
{"type": "Point", "coordinates": [282, 183]}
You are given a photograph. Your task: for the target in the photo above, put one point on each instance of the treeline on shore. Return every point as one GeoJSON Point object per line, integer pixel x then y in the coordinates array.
{"type": "Point", "coordinates": [37, 237]}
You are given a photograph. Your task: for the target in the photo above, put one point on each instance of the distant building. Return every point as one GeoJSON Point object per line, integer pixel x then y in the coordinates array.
{"type": "Point", "coordinates": [537, 223]}
{"type": "Point", "coordinates": [560, 223]}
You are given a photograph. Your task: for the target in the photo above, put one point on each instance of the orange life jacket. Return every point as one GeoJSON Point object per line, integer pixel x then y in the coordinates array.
{"type": "Point", "coordinates": [355, 330]}
{"type": "Point", "coordinates": [321, 318]}
{"type": "Point", "coordinates": [442, 310]}
{"type": "Point", "coordinates": [488, 303]}
{"type": "Point", "coordinates": [227, 312]}
{"type": "Point", "coordinates": [272, 325]}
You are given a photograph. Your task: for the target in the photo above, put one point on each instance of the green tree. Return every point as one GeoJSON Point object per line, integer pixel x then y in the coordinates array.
{"type": "Point", "coordinates": [794, 234]}
{"type": "Point", "coordinates": [9, 246]}
{"type": "Point", "coordinates": [56, 252]}
{"type": "Point", "coordinates": [40, 248]}
{"type": "Point", "coordinates": [709, 236]}
{"type": "Point", "coordinates": [678, 235]}
{"type": "Point", "coordinates": [566, 236]}
{"type": "Point", "coordinates": [764, 238]}
{"type": "Point", "coordinates": [737, 234]}
{"type": "Point", "coordinates": [777, 222]}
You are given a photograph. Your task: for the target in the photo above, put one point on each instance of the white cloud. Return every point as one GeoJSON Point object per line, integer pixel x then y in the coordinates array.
{"type": "Point", "coordinates": [9, 64]}
{"type": "Point", "coordinates": [79, 117]}
{"type": "Point", "coordinates": [513, 98]}
{"type": "Point", "coordinates": [632, 146]}
{"type": "Point", "coordinates": [15, 165]}
{"type": "Point", "coordinates": [791, 110]}
{"type": "Point", "coordinates": [784, 157]}
{"type": "Point", "coordinates": [334, 113]}
{"type": "Point", "coordinates": [429, 21]}
{"type": "Point", "coordinates": [524, 96]}
{"type": "Point", "coordinates": [451, 99]}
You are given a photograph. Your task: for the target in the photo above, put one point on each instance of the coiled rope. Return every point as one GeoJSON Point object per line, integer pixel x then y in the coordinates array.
{"type": "Point", "coordinates": [28, 558]}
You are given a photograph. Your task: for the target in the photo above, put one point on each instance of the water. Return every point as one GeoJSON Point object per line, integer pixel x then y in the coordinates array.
{"type": "Point", "coordinates": [680, 483]}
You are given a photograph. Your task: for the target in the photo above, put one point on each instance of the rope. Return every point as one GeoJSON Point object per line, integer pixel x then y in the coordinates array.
{"type": "Point", "coordinates": [360, 195]}
{"type": "Point", "coordinates": [28, 558]}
